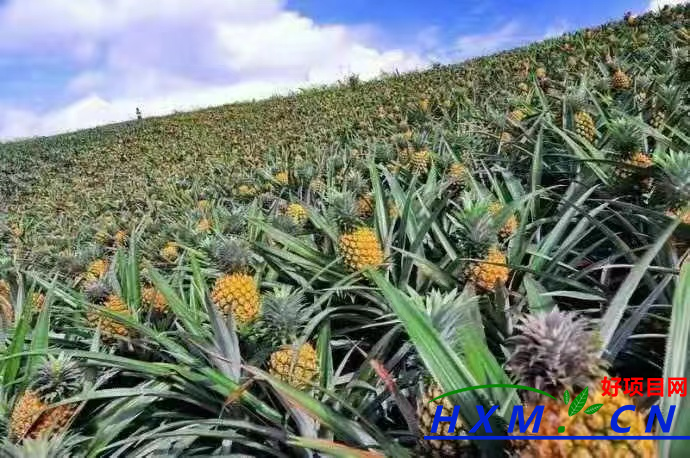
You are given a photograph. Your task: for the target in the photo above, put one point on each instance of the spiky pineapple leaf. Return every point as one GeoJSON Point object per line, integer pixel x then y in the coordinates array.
{"type": "Point", "coordinates": [578, 402]}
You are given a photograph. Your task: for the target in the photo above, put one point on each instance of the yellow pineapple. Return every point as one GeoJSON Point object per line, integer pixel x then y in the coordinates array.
{"type": "Point", "coordinates": [506, 137]}
{"type": "Point", "coordinates": [584, 125]}
{"type": "Point", "coordinates": [419, 161]}
{"type": "Point", "coordinates": [282, 178]}
{"type": "Point", "coordinates": [204, 225]}
{"type": "Point", "coordinates": [37, 302]}
{"type": "Point", "coordinates": [120, 238]}
{"type": "Point", "coordinates": [457, 173]}
{"type": "Point", "coordinates": [358, 245]}
{"type": "Point", "coordinates": [57, 378]}
{"type": "Point", "coordinates": [365, 206]}
{"type": "Point", "coordinates": [638, 160]}
{"type": "Point", "coordinates": [317, 185]}
{"type": "Point", "coordinates": [510, 225]}
{"type": "Point", "coordinates": [102, 295]}
{"type": "Point", "coordinates": [154, 300]}
{"type": "Point", "coordinates": [361, 249]}
{"type": "Point", "coordinates": [557, 351]}
{"type": "Point", "coordinates": [620, 80]}
{"type": "Point", "coordinates": [426, 410]}
{"type": "Point", "coordinates": [170, 252]}
{"type": "Point", "coordinates": [285, 315]}
{"type": "Point", "coordinates": [296, 365]}
{"type": "Point", "coordinates": [540, 72]}
{"type": "Point", "coordinates": [246, 191]}
{"type": "Point", "coordinates": [517, 115]}
{"type": "Point", "coordinates": [96, 270]}
{"type": "Point", "coordinates": [203, 204]}
{"type": "Point", "coordinates": [6, 309]}
{"type": "Point", "coordinates": [297, 213]}
{"type": "Point", "coordinates": [235, 293]}
{"type": "Point", "coordinates": [486, 274]}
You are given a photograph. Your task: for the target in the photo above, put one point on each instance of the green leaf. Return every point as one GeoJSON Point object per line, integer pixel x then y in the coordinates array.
{"type": "Point", "coordinates": [578, 402]}
{"type": "Point", "coordinates": [593, 408]}
{"type": "Point", "coordinates": [566, 397]}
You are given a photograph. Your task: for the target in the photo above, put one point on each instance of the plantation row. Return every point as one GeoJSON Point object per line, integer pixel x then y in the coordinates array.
{"type": "Point", "coordinates": [307, 274]}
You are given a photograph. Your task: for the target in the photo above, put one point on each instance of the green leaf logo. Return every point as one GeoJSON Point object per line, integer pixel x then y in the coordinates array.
{"type": "Point", "coordinates": [578, 402]}
{"type": "Point", "coordinates": [593, 408]}
{"type": "Point", "coordinates": [566, 397]}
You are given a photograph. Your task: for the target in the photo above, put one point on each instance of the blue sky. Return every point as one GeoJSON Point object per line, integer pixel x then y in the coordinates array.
{"type": "Point", "coordinates": [70, 64]}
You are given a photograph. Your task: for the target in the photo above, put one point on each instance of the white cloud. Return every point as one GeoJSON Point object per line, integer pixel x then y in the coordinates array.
{"type": "Point", "coordinates": [177, 55]}
{"type": "Point", "coordinates": [655, 5]}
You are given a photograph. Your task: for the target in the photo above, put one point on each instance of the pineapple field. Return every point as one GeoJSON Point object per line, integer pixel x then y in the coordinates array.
{"type": "Point", "coordinates": [306, 275]}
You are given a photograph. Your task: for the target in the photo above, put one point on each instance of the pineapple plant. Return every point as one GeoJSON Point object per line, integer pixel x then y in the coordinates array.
{"type": "Point", "coordinates": [477, 239]}
{"type": "Point", "coordinates": [558, 351]}
{"type": "Point", "coordinates": [358, 245]}
{"type": "Point", "coordinates": [286, 313]}
{"type": "Point", "coordinates": [297, 213]}
{"type": "Point", "coordinates": [235, 292]}
{"type": "Point", "coordinates": [56, 379]}
{"type": "Point", "coordinates": [105, 296]}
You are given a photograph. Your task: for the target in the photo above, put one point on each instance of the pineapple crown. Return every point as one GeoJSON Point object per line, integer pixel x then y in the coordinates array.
{"type": "Point", "coordinates": [57, 378]}
{"type": "Point", "coordinates": [555, 350]}
{"type": "Point", "coordinates": [285, 313]}
{"type": "Point", "coordinates": [231, 255]}
{"type": "Point", "coordinates": [342, 208]}
{"type": "Point", "coordinates": [355, 182]}
{"type": "Point", "coordinates": [475, 230]}
{"type": "Point", "coordinates": [625, 136]}
{"type": "Point", "coordinates": [576, 98]}
{"type": "Point", "coordinates": [676, 167]}
{"type": "Point", "coordinates": [97, 291]}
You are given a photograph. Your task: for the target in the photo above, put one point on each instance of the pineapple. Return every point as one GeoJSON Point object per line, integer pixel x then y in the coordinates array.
{"type": "Point", "coordinates": [317, 185]}
{"type": "Point", "coordinates": [96, 270]}
{"type": "Point", "coordinates": [295, 364]}
{"type": "Point", "coordinates": [103, 295]}
{"type": "Point", "coordinates": [476, 235]}
{"type": "Point", "coordinates": [392, 208]}
{"type": "Point", "coordinates": [510, 225]}
{"type": "Point", "coordinates": [154, 300]}
{"type": "Point", "coordinates": [235, 292]}
{"type": "Point", "coordinates": [426, 410]}
{"type": "Point", "coordinates": [245, 191]}
{"type": "Point", "coordinates": [297, 213]}
{"type": "Point", "coordinates": [506, 137]}
{"type": "Point", "coordinates": [584, 125]}
{"type": "Point", "coordinates": [457, 172]}
{"type": "Point", "coordinates": [282, 178]}
{"type": "Point", "coordinates": [556, 351]}
{"type": "Point", "coordinates": [657, 119]}
{"type": "Point", "coordinates": [365, 206]}
{"type": "Point", "coordinates": [120, 238]}
{"type": "Point", "coordinates": [419, 161]}
{"type": "Point", "coordinates": [285, 316]}
{"type": "Point", "coordinates": [204, 225]}
{"type": "Point", "coordinates": [170, 252]}
{"type": "Point", "coordinates": [517, 115]}
{"type": "Point", "coordinates": [203, 204]}
{"type": "Point", "coordinates": [37, 302]}
{"type": "Point", "coordinates": [6, 309]}
{"type": "Point", "coordinates": [620, 80]}
{"type": "Point", "coordinates": [57, 378]}
{"type": "Point", "coordinates": [486, 274]}
{"type": "Point", "coordinates": [358, 244]}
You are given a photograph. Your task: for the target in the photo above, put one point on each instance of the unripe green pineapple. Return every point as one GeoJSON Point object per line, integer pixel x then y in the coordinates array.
{"type": "Point", "coordinates": [57, 379]}
{"type": "Point", "coordinates": [657, 119]}
{"type": "Point", "coordinates": [556, 351]}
